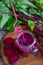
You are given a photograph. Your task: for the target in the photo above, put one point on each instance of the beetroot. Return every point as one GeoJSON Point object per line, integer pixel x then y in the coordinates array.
{"type": "Point", "coordinates": [9, 51]}
{"type": "Point", "coordinates": [13, 59]}
{"type": "Point", "coordinates": [8, 42]}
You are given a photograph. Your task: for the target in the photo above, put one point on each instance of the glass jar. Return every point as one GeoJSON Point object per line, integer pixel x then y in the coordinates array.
{"type": "Point", "coordinates": [25, 42]}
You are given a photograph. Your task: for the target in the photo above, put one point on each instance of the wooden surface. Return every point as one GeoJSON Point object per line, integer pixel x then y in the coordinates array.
{"type": "Point", "coordinates": [30, 60]}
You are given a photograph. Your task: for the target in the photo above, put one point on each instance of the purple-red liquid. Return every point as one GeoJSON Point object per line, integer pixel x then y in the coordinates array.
{"type": "Point", "coordinates": [25, 42]}
{"type": "Point", "coordinates": [25, 39]}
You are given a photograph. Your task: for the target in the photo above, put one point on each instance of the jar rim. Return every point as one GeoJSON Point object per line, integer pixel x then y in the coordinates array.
{"type": "Point", "coordinates": [23, 46]}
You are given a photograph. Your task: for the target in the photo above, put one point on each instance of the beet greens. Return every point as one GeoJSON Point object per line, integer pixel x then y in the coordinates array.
{"type": "Point", "coordinates": [16, 12]}
{"type": "Point", "coordinates": [24, 10]}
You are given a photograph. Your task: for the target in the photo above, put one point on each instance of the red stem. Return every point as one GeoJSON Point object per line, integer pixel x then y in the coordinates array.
{"type": "Point", "coordinates": [14, 12]}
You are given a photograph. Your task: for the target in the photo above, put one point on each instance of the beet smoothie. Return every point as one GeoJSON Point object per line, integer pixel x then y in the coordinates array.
{"type": "Point", "coordinates": [25, 42]}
